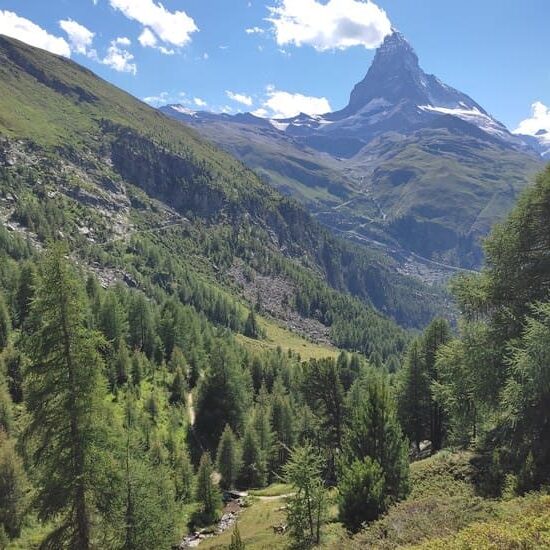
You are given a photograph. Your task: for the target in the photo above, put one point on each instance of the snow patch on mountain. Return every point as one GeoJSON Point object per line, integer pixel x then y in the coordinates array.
{"type": "Point", "coordinates": [474, 116]}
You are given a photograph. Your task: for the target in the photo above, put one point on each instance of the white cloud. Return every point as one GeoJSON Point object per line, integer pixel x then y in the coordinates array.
{"type": "Point", "coordinates": [157, 100]}
{"type": "Point", "coordinates": [27, 31]}
{"type": "Point", "coordinates": [254, 30]}
{"type": "Point", "coordinates": [166, 98]}
{"type": "Point", "coordinates": [280, 104]}
{"type": "Point", "coordinates": [239, 98]}
{"type": "Point", "coordinates": [123, 41]}
{"type": "Point", "coordinates": [174, 28]}
{"type": "Point", "coordinates": [80, 37]}
{"type": "Point", "coordinates": [336, 24]}
{"type": "Point", "coordinates": [147, 38]}
{"type": "Point", "coordinates": [118, 58]}
{"type": "Point", "coordinates": [539, 120]}
{"type": "Point", "coordinates": [199, 102]}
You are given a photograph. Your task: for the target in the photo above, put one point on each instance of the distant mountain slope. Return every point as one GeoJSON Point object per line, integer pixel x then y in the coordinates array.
{"type": "Point", "coordinates": [73, 143]}
{"type": "Point", "coordinates": [410, 162]}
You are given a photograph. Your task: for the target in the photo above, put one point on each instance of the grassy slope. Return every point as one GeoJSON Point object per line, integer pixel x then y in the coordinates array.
{"type": "Point", "coordinates": [278, 336]}
{"type": "Point", "coordinates": [444, 511]}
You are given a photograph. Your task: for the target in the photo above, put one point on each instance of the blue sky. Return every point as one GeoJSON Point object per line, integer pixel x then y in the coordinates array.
{"type": "Point", "coordinates": [199, 51]}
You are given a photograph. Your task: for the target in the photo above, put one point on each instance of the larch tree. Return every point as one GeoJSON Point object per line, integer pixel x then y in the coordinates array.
{"type": "Point", "coordinates": [65, 397]}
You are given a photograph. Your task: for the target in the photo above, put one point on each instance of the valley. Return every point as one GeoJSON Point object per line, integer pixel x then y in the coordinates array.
{"type": "Point", "coordinates": [245, 331]}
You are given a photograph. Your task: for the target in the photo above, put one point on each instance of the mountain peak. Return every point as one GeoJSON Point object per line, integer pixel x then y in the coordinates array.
{"type": "Point", "coordinates": [395, 45]}
{"type": "Point", "coordinates": [396, 77]}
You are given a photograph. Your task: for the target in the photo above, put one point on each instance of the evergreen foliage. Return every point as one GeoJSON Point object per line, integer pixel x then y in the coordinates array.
{"type": "Point", "coordinates": [207, 493]}
{"type": "Point", "coordinates": [228, 459]}
{"type": "Point", "coordinates": [65, 397]}
{"type": "Point", "coordinates": [306, 508]}
{"type": "Point", "coordinates": [361, 493]}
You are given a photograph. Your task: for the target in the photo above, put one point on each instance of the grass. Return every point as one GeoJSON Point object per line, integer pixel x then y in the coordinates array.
{"type": "Point", "coordinates": [522, 523]}
{"type": "Point", "coordinates": [273, 490]}
{"type": "Point", "coordinates": [441, 503]}
{"type": "Point", "coordinates": [278, 336]}
{"type": "Point", "coordinates": [256, 527]}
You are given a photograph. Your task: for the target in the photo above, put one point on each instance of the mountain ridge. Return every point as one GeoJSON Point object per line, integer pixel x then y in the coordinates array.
{"type": "Point", "coordinates": [393, 112]}
{"type": "Point", "coordinates": [104, 142]}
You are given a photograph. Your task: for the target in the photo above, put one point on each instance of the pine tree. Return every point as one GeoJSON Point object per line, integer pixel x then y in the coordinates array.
{"type": "Point", "coordinates": [374, 431]}
{"type": "Point", "coordinates": [360, 493]}
{"type": "Point", "coordinates": [261, 418]}
{"type": "Point", "coordinates": [112, 320]}
{"type": "Point", "coordinates": [307, 506]}
{"type": "Point", "coordinates": [5, 323]}
{"type": "Point", "coordinates": [24, 292]}
{"type": "Point", "coordinates": [207, 494]}
{"type": "Point", "coordinates": [223, 397]}
{"type": "Point", "coordinates": [415, 396]}
{"type": "Point", "coordinates": [436, 335]}
{"type": "Point", "coordinates": [13, 488]}
{"type": "Point", "coordinates": [178, 388]}
{"type": "Point", "coordinates": [14, 362]}
{"type": "Point", "coordinates": [228, 458]}
{"type": "Point", "coordinates": [65, 397]}
{"type": "Point", "coordinates": [254, 462]}
{"type": "Point", "coordinates": [149, 495]}
{"type": "Point", "coordinates": [184, 477]}
{"type": "Point", "coordinates": [6, 407]}
{"type": "Point", "coordinates": [137, 369]}
{"type": "Point", "coordinates": [122, 364]}
{"type": "Point", "coordinates": [141, 332]}
{"type": "Point", "coordinates": [251, 328]}
{"type": "Point", "coordinates": [283, 426]}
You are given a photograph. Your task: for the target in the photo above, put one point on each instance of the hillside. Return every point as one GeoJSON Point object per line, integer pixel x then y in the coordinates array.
{"type": "Point", "coordinates": [89, 126]}
{"type": "Point", "coordinates": [411, 166]}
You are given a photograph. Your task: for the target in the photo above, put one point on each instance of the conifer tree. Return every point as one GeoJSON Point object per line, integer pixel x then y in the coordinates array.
{"type": "Point", "coordinates": [137, 369]}
{"type": "Point", "coordinates": [261, 416]}
{"type": "Point", "coordinates": [65, 397]}
{"type": "Point", "coordinates": [13, 487]}
{"type": "Point", "coordinates": [415, 396]}
{"type": "Point", "coordinates": [228, 460]}
{"type": "Point", "coordinates": [251, 328]}
{"type": "Point", "coordinates": [112, 320]}
{"type": "Point", "coordinates": [184, 477]}
{"type": "Point", "coordinates": [24, 292]}
{"type": "Point", "coordinates": [224, 396]}
{"type": "Point", "coordinates": [6, 407]}
{"type": "Point", "coordinates": [361, 495]}
{"type": "Point", "coordinates": [307, 506]}
{"type": "Point", "coordinates": [254, 462]}
{"type": "Point", "coordinates": [178, 388]}
{"type": "Point", "coordinates": [149, 495]}
{"type": "Point", "coordinates": [5, 323]}
{"type": "Point", "coordinates": [374, 431]}
{"type": "Point", "coordinates": [14, 364]}
{"type": "Point", "coordinates": [141, 331]}
{"type": "Point", "coordinates": [207, 493]}
{"type": "Point", "coordinates": [283, 426]}
{"type": "Point", "coordinates": [435, 336]}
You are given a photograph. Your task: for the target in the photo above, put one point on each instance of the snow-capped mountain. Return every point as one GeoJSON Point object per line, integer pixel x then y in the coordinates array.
{"type": "Point", "coordinates": [408, 161]}
{"type": "Point", "coordinates": [396, 95]}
